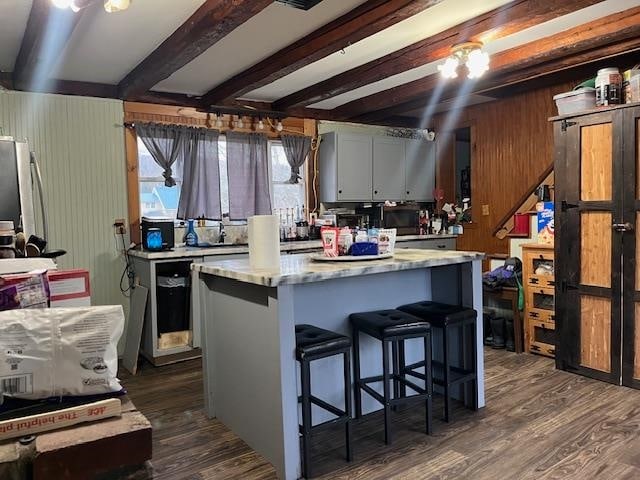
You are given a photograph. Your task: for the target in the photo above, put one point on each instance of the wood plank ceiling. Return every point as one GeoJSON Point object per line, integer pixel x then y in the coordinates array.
{"type": "Point", "coordinates": [222, 56]}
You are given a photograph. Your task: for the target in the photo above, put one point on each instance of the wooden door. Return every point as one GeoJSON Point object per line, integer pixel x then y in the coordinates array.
{"type": "Point", "coordinates": [588, 250]}
{"type": "Point", "coordinates": [354, 167]}
{"type": "Point", "coordinates": [388, 168]}
{"type": "Point", "coordinates": [420, 170]}
{"type": "Point", "coordinates": [631, 242]}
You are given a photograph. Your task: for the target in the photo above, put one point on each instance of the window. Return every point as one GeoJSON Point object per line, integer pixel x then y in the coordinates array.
{"type": "Point", "coordinates": [158, 200]}
{"type": "Point", "coordinates": [284, 194]}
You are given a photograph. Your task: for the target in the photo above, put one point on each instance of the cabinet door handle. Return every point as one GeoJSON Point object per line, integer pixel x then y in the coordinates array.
{"type": "Point", "coordinates": [442, 246]}
{"type": "Point", "coordinates": [339, 191]}
{"type": "Point", "coordinates": [375, 191]}
{"type": "Point", "coordinates": [622, 227]}
{"type": "Point", "coordinates": [408, 192]}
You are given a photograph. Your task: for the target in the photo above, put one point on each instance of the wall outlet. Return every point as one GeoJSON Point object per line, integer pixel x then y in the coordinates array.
{"type": "Point", "coordinates": [120, 226]}
{"type": "Point", "coordinates": [485, 210]}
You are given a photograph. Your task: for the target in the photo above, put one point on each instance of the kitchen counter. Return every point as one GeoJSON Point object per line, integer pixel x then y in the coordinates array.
{"type": "Point", "coordinates": [248, 320]}
{"type": "Point", "coordinates": [295, 269]}
{"type": "Point", "coordinates": [229, 249]}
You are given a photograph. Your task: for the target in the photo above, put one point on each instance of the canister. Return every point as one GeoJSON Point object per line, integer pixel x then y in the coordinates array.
{"type": "Point", "coordinates": [608, 87]}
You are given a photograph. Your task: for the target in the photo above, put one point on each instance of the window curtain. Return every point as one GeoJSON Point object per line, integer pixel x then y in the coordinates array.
{"type": "Point", "coordinates": [165, 144]}
{"type": "Point", "coordinates": [200, 193]}
{"type": "Point", "coordinates": [248, 173]}
{"type": "Point", "coordinates": [296, 148]}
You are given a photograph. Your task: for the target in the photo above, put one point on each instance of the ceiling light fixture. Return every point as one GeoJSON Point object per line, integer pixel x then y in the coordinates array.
{"type": "Point", "coordinates": [260, 124]}
{"type": "Point", "coordinates": [218, 120]}
{"type": "Point", "coordinates": [113, 6]}
{"type": "Point", "coordinates": [110, 6]}
{"type": "Point", "coordinates": [469, 54]}
{"type": "Point", "coordinates": [240, 123]}
{"type": "Point", "coordinates": [279, 126]}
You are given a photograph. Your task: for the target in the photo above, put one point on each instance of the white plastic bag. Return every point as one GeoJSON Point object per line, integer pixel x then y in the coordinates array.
{"type": "Point", "coordinates": [59, 351]}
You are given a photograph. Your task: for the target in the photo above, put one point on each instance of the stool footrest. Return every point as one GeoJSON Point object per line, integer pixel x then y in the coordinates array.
{"type": "Point", "coordinates": [421, 392]}
{"type": "Point", "coordinates": [456, 374]}
{"type": "Point", "coordinates": [326, 406]}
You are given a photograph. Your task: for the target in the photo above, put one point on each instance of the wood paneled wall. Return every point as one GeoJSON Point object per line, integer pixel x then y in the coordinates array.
{"type": "Point", "coordinates": [511, 145]}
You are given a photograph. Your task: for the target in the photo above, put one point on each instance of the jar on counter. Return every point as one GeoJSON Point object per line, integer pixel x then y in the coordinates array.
{"type": "Point", "coordinates": [608, 87]}
{"type": "Point", "coordinates": [7, 239]}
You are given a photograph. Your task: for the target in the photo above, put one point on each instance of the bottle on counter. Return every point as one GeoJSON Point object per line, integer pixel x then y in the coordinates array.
{"type": "Point", "coordinates": [191, 237]}
{"type": "Point", "coordinates": [302, 226]}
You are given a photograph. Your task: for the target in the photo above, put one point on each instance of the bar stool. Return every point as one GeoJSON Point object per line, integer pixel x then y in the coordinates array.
{"type": "Point", "coordinates": [447, 317]}
{"type": "Point", "coordinates": [392, 326]}
{"type": "Point", "coordinates": [313, 343]}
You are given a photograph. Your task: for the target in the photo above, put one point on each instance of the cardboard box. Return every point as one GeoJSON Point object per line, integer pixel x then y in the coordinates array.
{"type": "Point", "coordinates": [69, 288]}
{"type": "Point", "coordinates": [545, 222]}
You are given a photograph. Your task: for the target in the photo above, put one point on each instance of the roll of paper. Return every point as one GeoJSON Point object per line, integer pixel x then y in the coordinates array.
{"type": "Point", "coordinates": [264, 242]}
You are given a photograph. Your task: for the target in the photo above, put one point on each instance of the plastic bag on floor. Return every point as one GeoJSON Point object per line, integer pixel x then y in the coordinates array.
{"type": "Point", "coordinates": [59, 351]}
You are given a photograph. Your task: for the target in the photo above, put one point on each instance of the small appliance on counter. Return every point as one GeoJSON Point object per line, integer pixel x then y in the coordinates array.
{"type": "Point", "coordinates": [157, 233]}
{"type": "Point", "coordinates": [405, 218]}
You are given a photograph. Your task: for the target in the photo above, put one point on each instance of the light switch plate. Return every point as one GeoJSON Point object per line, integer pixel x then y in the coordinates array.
{"type": "Point", "coordinates": [485, 209]}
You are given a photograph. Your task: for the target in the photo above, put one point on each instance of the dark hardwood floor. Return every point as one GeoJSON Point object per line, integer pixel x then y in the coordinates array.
{"type": "Point", "coordinates": [539, 423]}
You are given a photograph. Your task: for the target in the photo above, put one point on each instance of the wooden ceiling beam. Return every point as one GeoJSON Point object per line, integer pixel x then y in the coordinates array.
{"type": "Point", "coordinates": [498, 23]}
{"type": "Point", "coordinates": [586, 43]}
{"type": "Point", "coordinates": [361, 22]}
{"type": "Point", "coordinates": [36, 59]}
{"type": "Point", "coordinates": [214, 20]}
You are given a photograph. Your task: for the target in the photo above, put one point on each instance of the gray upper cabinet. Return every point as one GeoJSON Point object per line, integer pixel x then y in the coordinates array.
{"type": "Point", "coordinates": [420, 170]}
{"type": "Point", "coordinates": [345, 162]}
{"type": "Point", "coordinates": [388, 168]}
{"type": "Point", "coordinates": [361, 168]}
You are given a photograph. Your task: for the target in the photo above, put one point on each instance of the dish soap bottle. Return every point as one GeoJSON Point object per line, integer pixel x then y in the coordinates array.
{"type": "Point", "coordinates": [191, 237]}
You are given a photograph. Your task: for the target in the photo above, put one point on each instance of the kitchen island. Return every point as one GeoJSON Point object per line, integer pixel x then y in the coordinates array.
{"type": "Point", "coordinates": [248, 322]}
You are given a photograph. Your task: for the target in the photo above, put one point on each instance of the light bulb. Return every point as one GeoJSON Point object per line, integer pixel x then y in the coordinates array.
{"type": "Point", "coordinates": [260, 125]}
{"type": "Point", "coordinates": [279, 126]}
{"type": "Point", "coordinates": [477, 63]}
{"type": "Point", "coordinates": [62, 3]}
{"type": "Point", "coordinates": [112, 6]}
{"type": "Point", "coordinates": [449, 69]}
{"type": "Point", "coordinates": [218, 120]}
{"type": "Point", "coordinates": [240, 122]}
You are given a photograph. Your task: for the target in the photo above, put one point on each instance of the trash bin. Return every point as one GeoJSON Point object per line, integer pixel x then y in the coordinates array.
{"type": "Point", "coordinates": [173, 294]}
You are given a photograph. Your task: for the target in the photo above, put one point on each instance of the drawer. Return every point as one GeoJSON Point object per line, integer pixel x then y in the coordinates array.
{"type": "Point", "coordinates": [540, 315]}
{"type": "Point", "coordinates": [534, 260]}
{"type": "Point", "coordinates": [544, 281]}
{"type": "Point", "coordinates": [541, 299]}
{"type": "Point", "coordinates": [541, 348]}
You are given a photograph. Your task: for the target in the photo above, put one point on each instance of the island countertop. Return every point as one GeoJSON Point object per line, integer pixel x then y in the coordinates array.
{"type": "Point", "coordinates": [229, 249]}
{"type": "Point", "coordinates": [301, 268]}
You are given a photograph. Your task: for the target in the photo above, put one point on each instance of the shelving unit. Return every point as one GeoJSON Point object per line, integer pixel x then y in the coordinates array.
{"type": "Point", "coordinates": [539, 290]}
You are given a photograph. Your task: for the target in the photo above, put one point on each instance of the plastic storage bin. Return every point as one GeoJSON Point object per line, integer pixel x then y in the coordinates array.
{"type": "Point", "coordinates": [173, 303]}
{"type": "Point", "coordinates": [576, 100]}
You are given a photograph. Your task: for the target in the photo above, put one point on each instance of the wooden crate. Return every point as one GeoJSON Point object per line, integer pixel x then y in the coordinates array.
{"type": "Point", "coordinates": [539, 308]}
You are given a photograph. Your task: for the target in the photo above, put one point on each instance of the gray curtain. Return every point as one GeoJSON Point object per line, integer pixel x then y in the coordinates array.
{"type": "Point", "coordinates": [296, 148]}
{"type": "Point", "coordinates": [248, 173]}
{"type": "Point", "coordinates": [165, 144]}
{"type": "Point", "coordinates": [200, 193]}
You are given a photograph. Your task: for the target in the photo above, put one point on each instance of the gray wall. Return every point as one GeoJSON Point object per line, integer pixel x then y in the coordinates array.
{"type": "Point", "coordinates": [79, 143]}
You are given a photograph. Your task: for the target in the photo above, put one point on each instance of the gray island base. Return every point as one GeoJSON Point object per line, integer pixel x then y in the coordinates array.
{"type": "Point", "coordinates": [251, 376]}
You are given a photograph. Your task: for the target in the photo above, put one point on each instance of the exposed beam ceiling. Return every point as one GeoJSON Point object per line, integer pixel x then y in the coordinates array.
{"type": "Point", "coordinates": [543, 56]}
{"type": "Point", "coordinates": [361, 22]}
{"type": "Point", "coordinates": [498, 23]}
{"type": "Point", "coordinates": [210, 23]}
{"type": "Point", "coordinates": [36, 59]}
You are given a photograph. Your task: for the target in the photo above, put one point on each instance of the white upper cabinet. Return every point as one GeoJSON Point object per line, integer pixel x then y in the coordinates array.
{"type": "Point", "coordinates": [361, 168]}
{"type": "Point", "coordinates": [420, 170]}
{"type": "Point", "coordinates": [388, 168]}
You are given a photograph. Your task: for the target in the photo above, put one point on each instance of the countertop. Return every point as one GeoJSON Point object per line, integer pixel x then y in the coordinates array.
{"type": "Point", "coordinates": [182, 252]}
{"type": "Point", "coordinates": [300, 268]}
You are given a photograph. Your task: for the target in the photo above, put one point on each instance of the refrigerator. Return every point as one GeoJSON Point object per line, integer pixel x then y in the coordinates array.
{"type": "Point", "coordinates": [16, 184]}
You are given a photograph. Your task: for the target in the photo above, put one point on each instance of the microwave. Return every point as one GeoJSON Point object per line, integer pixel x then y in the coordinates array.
{"type": "Point", "coordinates": [404, 218]}
{"type": "Point", "coordinates": [352, 220]}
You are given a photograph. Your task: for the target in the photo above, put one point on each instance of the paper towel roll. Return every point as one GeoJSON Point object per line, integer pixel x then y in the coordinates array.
{"type": "Point", "coordinates": [264, 242]}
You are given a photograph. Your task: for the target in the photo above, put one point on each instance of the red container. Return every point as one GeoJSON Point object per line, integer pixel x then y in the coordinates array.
{"type": "Point", "coordinates": [521, 224]}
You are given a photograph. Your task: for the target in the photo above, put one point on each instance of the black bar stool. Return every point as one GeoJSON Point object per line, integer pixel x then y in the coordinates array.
{"type": "Point", "coordinates": [392, 326]}
{"type": "Point", "coordinates": [446, 317]}
{"type": "Point", "coordinates": [313, 343]}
